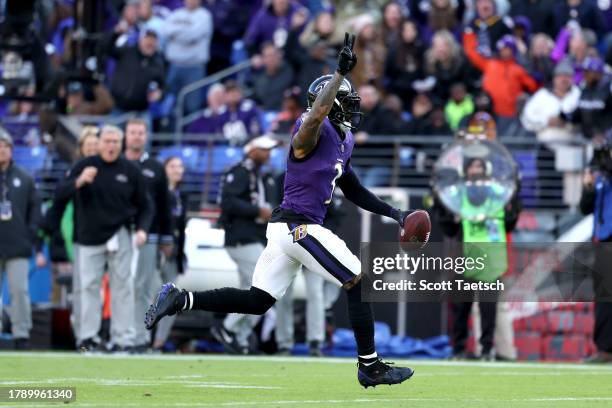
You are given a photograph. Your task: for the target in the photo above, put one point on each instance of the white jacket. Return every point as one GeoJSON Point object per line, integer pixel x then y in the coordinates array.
{"type": "Point", "coordinates": [544, 104]}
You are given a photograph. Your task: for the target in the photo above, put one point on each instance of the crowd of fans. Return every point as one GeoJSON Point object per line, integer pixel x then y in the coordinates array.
{"type": "Point", "coordinates": [422, 64]}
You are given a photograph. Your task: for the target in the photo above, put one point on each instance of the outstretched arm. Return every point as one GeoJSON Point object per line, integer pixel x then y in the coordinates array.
{"type": "Point", "coordinates": [356, 193]}
{"type": "Point", "coordinates": [307, 135]}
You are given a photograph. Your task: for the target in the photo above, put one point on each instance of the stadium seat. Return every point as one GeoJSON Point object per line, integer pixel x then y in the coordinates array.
{"type": "Point", "coordinates": [222, 158]}
{"type": "Point", "coordinates": [189, 154]}
{"type": "Point", "coordinates": [267, 118]}
{"type": "Point", "coordinates": [31, 158]}
{"type": "Point", "coordinates": [278, 161]}
{"type": "Point", "coordinates": [406, 156]}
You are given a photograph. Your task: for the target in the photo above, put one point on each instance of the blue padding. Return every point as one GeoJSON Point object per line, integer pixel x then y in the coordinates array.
{"type": "Point", "coordinates": [189, 154]}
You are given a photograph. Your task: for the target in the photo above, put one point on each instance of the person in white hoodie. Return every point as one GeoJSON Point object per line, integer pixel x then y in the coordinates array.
{"type": "Point", "coordinates": [187, 33]}
{"type": "Point", "coordinates": [547, 111]}
{"type": "Point", "coordinates": [548, 114]}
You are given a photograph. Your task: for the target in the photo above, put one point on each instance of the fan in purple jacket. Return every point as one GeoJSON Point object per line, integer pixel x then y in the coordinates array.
{"type": "Point", "coordinates": [271, 24]}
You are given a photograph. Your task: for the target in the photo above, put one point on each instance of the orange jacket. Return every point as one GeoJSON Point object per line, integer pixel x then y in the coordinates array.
{"type": "Point", "coordinates": [504, 80]}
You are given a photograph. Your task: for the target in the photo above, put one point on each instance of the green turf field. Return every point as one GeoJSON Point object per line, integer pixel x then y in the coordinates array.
{"type": "Point", "coordinates": [220, 381]}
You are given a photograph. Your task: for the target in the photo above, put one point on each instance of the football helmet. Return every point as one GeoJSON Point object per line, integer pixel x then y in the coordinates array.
{"type": "Point", "coordinates": [345, 110]}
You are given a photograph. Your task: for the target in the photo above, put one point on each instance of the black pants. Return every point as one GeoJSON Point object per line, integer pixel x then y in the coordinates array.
{"type": "Point", "coordinates": [488, 313]}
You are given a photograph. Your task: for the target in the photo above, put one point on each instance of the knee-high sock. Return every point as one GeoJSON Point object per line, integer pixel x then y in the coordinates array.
{"type": "Point", "coordinates": [232, 300]}
{"type": "Point", "coordinates": [362, 322]}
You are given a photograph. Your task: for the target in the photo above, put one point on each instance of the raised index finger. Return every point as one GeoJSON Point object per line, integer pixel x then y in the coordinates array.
{"type": "Point", "coordinates": [346, 39]}
{"type": "Point", "coordinates": [351, 41]}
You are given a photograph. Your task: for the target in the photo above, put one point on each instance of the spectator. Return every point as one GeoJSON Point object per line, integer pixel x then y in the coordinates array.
{"type": "Point", "coordinates": [377, 120]}
{"type": "Point", "coordinates": [584, 13]}
{"type": "Point", "coordinates": [488, 27]}
{"type": "Point", "coordinates": [445, 64]}
{"type": "Point", "coordinates": [503, 78]}
{"type": "Point", "coordinates": [271, 81]}
{"type": "Point", "coordinates": [314, 61]}
{"type": "Point", "coordinates": [290, 113]}
{"type": "Point", "coordinates": [19, 211]}
{"type": "Point", "coordinates": [188, 32]}
{"type": "Point", "coordinates": [372, 53]}
{"type": "Point", "coordinates": [547, 111]}
{"type": "Point", "coordinates": [322, 28]}
{"type": "Point", "coordinates": [459, 106]}
{"type": "Point", "coordinates": [522, 34]}
{"type": "Point", "coordinates": [540, 14]}
{"type": "Point", "coordinates": [574, 45]}
{"type": "Point", "coordinates": [597, 199]}
{"type": "Point", "coordinates": [595, 102]}
{"type": "Point", "coordinates": [404, 63]}
{"type": "Point", "coordinates": [109, 195]}
{"type": "Point", "coordinates": [148, 21]}
{"type": "Point", "coordinates": [392, 23]}
{"type": "Point", "coordinates": [394, 104]}
{"type": "Point", "coordinates": [76, 104]}
{"type": "Point", "coordinates": [420, 111]}
{"type": "Point", "coordinates": [272, 23]}
{"type": "Point", "coordinates": [482, 104]}
{"type": "Point", "coordinates": [210, 120]}
{"type": "Point", "coordinates": [175, 264]}
{"type": "Point", "coordinates": [139, 75]}
{"type": "Point", "coordinates": [159, 235]}
{"type": "Point", "coordinates": [539, 63]}
{"type": "Point", "coordinates": [246, 196]}
{"type": "Point", "coordinates": [127, 28]}
{"type": "Point", "coordinates": [241, 117]}
{"type": "Point", "coordinates": [445, 15]}
{"type": "Point", "coordinates": [230, 20]}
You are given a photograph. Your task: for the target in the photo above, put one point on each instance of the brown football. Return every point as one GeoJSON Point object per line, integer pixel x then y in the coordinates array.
{"type": "Point", "coordinates": [415, 234]}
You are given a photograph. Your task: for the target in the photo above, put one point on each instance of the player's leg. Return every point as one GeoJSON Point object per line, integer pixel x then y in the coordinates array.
{"type": "Point", "coordinates": [321, 251]}
{"type": "Point", "coordinates": [274, 272]}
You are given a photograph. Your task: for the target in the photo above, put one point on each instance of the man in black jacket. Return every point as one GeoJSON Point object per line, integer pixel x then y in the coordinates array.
{"type": "Point", "coordinates": [595, 104]}
{"type": "Point", "coordinates": [245, 211]}
{"type": "Point", "coordinates": [139, 75]}
{"type": "Point", "coordinates": [147, 277]}
{"type": "Point", "coordinates": [110, 200]}
{"type": "Point", "coordinates": [18, 222]}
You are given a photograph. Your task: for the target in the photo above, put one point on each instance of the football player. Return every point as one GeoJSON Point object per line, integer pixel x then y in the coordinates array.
{"type": "Point", "coordinates": [319, 160]}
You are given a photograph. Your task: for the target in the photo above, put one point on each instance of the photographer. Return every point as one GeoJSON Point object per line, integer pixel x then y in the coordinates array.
{"type": "Point", "coordinates": [18, 222]}
{"type": "Point", "coordinates": [597, 200]}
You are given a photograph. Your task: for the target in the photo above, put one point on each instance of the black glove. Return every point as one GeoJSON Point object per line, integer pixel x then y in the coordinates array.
{"type": "Point", "coordinates": [347, 58]}
{"type": "Point", "coordinates": [399, 216]}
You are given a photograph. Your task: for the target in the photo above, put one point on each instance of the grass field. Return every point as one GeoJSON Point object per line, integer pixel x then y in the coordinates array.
{"type": "Point", "coordinates": [220, 381]}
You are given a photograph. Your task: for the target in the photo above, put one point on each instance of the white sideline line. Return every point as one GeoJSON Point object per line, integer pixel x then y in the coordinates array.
{"type": "Point", "coordinates": [328, 402]}
{"type": "Point", "coordinates": [315, 360]}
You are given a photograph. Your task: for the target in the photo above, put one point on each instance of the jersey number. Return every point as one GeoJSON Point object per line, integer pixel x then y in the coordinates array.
{"type": "Point", "coordinates": [338, 168]}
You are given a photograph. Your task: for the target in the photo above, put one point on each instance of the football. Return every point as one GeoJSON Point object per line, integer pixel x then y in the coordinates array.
{"type": "Point", "coordinates": [415, 233]}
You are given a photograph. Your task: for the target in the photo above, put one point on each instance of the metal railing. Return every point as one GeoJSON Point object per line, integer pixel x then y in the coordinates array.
{"type": "Point", "coordinates": [406, 161]}
{"type": "Point", "coordinates": [180, 118]}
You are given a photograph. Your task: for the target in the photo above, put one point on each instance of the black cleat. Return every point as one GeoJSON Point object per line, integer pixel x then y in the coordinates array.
{"type": "Point", "coordinates": [167, 303]}
{"type": "Point", "coordinates": [228, 339]}
{"type": "Point", "coordinates": [382, 373]}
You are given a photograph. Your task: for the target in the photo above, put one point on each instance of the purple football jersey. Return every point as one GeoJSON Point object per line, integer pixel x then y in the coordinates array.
{"type": "Point", "coordinates": [310, 182]}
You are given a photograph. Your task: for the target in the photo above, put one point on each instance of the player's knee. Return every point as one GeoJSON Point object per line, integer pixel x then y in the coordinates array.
{"type": "Point", "coordinates": [260, 301]}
